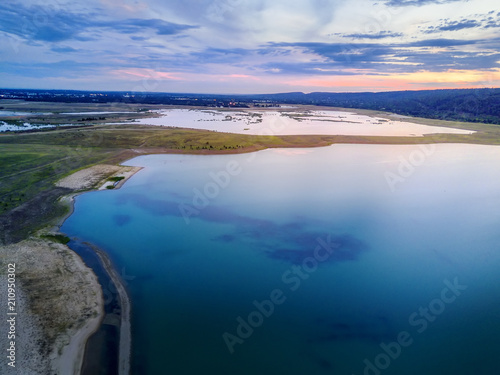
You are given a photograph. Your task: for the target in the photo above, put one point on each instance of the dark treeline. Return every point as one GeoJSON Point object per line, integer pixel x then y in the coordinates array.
{"type": "Point", "coordinates": [75, 96]}
{"type": "Point", "coordinates": [472, 105]}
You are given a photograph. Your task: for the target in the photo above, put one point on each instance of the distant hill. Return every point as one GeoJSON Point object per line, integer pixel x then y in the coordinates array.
{"type": "Point", "coordinates": [472, 105]}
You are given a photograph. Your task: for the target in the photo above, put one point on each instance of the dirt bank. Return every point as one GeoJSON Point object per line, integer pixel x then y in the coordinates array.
{"type": "Point", "coordinates": [60, 305]}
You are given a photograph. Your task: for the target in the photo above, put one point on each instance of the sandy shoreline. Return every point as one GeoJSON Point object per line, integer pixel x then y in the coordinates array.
{"type": "Point", "coordinates": [125, 326]}
{"type": "Point", "coordinates": [98, 177]}
{"type": "Point", "coordinates": [71, 358]}
{"type": "Point", "coordinates": [80, 182]}
{"type": "Point", "coordinates": [60, 301]}
{"type": "Point", "coordinates": [60, 306]}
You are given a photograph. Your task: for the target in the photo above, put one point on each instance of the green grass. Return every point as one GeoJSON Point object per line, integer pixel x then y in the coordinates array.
{"type": "Point", "coordinates": [131, 136]}
{"type": "Point", "coordinates": [56, 238]}
{"type": "Point", "coordinates": [116, 178]}
{"type": "Point", "coordinates": [27, 169]}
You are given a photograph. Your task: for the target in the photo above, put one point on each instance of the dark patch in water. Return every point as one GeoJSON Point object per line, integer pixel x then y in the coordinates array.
{"type": "Point", "coordinates": [291, 242]}
{"type": "Point", "coordinates": [343, 248]}
{"type": "Point", "coordinates": [325, 364]}
{"type": "Point", "coordinates": [121, 220]}
{"type": "Point", "coordinates": [341, 326]}
{"type": "Point", "coordinates": [225, 238]}
{"type": "Point", "coordinates": [101, 356]}
{"type": "Point", "coordinates": [376, 329]}
{"type": "Point", "coordinates": [154, 206]}
{"type": "Point", "coordinates": [443, 257]}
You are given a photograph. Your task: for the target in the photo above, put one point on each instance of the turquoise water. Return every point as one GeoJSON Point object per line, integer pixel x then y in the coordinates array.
{"type": "Point", "coordinates": [345, 249]}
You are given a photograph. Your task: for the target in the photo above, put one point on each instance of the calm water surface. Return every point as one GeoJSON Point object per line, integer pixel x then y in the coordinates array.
{"type": "Point", "coordinates": [356, 245]}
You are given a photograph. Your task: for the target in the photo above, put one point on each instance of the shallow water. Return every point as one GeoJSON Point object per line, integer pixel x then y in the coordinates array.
{"type": "Point", "coordinates": [351, 243]}
{"type": "Point", "coordinates": [94, 113]}
{"type": "Point", "coordinates": [4, 126]}
{"type": "Point", "coordinates": [15, 113]}
{"type": "Point", "coordinates": [292, 123]}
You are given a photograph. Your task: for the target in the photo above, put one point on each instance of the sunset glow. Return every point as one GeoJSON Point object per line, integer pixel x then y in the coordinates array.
{"type": "Point", "coordinates": [243, 46]}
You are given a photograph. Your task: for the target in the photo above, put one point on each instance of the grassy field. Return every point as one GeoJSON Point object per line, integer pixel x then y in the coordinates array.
{"type": "Point", "coordinates": [30, 163]}
{"type": "Point", "coordinates": [74, 113]}
{"type": "Point", "coordinates": [27, 169]}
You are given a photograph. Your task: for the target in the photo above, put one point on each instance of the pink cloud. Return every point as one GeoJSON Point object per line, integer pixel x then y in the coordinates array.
{"type": "Point", "coordinates": [243, 76]}
{"type": "Point", "coordinates": [407, 81]}
{"type": "Point", "coordinates": [146, 74]}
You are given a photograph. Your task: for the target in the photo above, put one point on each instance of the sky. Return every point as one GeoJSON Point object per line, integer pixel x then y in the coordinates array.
{"type": "Point", "coordinates": [249, 46]}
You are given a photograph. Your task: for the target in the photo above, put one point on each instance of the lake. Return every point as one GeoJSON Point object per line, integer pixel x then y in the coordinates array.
{"type": "Point", "coordinates": [347, 259]}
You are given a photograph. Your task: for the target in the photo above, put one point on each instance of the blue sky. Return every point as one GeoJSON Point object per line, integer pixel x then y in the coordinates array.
{"type": "Point", "coordinates": [249, 46]}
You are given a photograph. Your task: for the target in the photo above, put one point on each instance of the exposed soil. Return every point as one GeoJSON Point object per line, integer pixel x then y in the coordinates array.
{"type": "Point", "coordinates": [62, 307]}
{"type": "Point", "coordinates": [24, 220]}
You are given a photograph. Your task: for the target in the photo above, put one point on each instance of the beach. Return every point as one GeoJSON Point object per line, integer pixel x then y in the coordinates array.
{"type": "Point", "coordinates": [100, 177]}
{"type": "Point", "coordinates": [59, 299]}
{"type": "Point", "coordinates": [97, 176]}
{"type": "Point", "coordinates": [59, 305]}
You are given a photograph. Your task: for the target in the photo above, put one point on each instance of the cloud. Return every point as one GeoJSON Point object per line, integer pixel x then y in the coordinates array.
{"type": "Point", "coordinates": [458, 25]}
{"type": "Point", "coordinates": [348, 55]}
{"type": "Point", "coordinates": [439, 62]}
{"type": "Point", "coordinates": [441, 43]}
{"type": "Point", "coordinates": [385, 58]}
{"type": "Point", "coordinates": [380, 35]}
{"type": "Point", "coordinates": [449, 25]}
{"type": "Point", "coordinates": [131, 26]}
{"type": "Point", "coordinates": [67, 68]}
{"type": "Point", "coordinates": [342, 51]}
{"type": "Point", "coordinates": [475, 21]}
{"type": "Point", "coordinates": [147, 74]}
{"type": "Point", "coordinates": [404, 3]}
{"type": "Point", "coordinates": [490, 21]}
{"type": "Point", "coordinates": [38, 23]}
{"type": "Point", "coordinates": [221, 55]}
{"type": "Point", "coordinates": [63, 49]}
{"type": "Point", "coordinates": [43, 24]}
{"type": "Point", "coordinates": [206, 46]}
{"type": "Point", "coordinates": [304, 68]}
